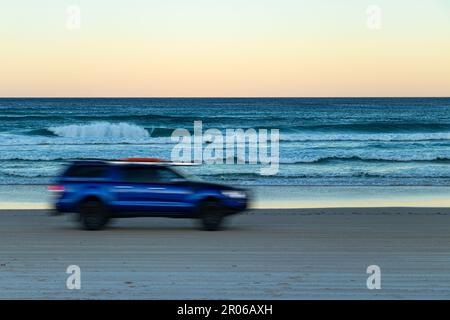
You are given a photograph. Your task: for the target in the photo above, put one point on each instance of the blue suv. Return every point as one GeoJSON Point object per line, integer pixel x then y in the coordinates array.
{"type": "Point", "coordinates": [101, 190]}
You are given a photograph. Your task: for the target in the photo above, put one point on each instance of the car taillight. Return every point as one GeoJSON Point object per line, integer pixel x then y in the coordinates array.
{"type": "Point", "coordinates": [55, 188]}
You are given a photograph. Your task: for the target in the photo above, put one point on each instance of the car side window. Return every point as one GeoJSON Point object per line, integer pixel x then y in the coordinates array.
{"type": "Point", "coordinates": [148, 175]}
{"type": "Point", "coordinates": [138, 174]}
{"type": "Point", "coordinates": [85, 171]}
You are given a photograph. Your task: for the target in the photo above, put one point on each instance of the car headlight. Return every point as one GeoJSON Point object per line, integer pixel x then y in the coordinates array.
{"type": "Point", "coordinates": [234, 194]}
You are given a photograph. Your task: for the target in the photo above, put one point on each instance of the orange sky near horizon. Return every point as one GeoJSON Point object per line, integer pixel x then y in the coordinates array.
{"type": "Point", "coordinates": [214, 48]}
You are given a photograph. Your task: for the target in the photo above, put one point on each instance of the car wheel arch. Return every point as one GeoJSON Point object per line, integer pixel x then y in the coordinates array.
{"type": "Point", "coordinates": [90, 198]}
{"type": "Point", "coordinates": [208, 199]}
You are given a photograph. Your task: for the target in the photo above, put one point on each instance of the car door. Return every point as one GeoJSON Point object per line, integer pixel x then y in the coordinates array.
{"type": "Point", "coordinates": [130, 189]}
{"type": "Point", "coordinates": [169, 191]}
{"type": "Point", "coordinates": [151, 189]}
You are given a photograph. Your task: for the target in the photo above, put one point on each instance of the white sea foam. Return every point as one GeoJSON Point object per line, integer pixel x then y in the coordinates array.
{"type": "Point", "coordinates": [366, 137]}
{"type": "Point", "coordinates": [102, 131]}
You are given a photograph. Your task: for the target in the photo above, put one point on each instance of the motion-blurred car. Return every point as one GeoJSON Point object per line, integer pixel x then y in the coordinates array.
{"type": "Point", "coordinates": [101, 190]}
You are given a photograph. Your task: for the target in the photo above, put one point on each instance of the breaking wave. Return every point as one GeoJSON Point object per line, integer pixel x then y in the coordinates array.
{"type": "Point", "coordinates": [101, 130]}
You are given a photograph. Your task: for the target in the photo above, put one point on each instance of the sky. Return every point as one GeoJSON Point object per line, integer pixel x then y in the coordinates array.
{"type": "Point", "coordinates": [226, 48]}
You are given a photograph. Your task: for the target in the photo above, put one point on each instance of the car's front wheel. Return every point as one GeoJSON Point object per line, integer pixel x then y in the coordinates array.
{"type": "Point", "coordinates": [93, 215]}
{"type": "Point", "coordinates": [211, 215]}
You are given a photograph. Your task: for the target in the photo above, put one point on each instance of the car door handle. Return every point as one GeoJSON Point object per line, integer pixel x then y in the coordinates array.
{"type": "Point", "coordinates": [155, 188]}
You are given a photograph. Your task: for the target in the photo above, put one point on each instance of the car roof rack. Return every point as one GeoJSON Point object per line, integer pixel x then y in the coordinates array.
{"type": "Point", "coordinates": [144, 161]}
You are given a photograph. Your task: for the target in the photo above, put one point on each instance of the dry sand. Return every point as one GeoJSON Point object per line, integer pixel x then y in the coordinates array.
{"type": "Point", "coordinates": [264, 254]}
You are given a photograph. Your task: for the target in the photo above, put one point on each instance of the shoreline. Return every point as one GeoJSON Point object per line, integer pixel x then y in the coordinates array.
{"type": "Point", "coordinates": [28, 197]}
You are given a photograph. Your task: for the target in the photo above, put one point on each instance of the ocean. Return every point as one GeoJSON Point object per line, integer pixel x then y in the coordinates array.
{"type": "Point", "coordinates": [323, 142]}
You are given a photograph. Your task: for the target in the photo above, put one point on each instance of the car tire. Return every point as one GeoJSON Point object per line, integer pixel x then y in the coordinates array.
{"type": "Point", "coordinates": [211, 215]}
{"type": "Point", "coordinates": [93, 215]}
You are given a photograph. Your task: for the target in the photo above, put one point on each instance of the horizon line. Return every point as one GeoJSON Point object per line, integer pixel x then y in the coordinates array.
{"type": "Point", "coordinates": [231, 97]}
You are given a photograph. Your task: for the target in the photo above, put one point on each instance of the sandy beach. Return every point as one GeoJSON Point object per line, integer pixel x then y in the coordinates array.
{"type": "Point", "coordinates": [263, 254]}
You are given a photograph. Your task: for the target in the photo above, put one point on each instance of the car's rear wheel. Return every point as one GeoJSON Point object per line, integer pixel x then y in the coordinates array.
{"type": "Point", "coordinates": [211, 215]}
{"type": "Point", "coordinates": [93, 215]}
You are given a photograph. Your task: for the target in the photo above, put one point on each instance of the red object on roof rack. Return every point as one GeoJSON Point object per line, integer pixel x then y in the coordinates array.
{"type": "Point", "coordinates": [143, 160]}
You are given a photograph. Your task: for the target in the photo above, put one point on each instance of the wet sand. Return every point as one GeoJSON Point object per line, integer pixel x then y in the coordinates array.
{"type": "Point", "coordinates": [263, 254]}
